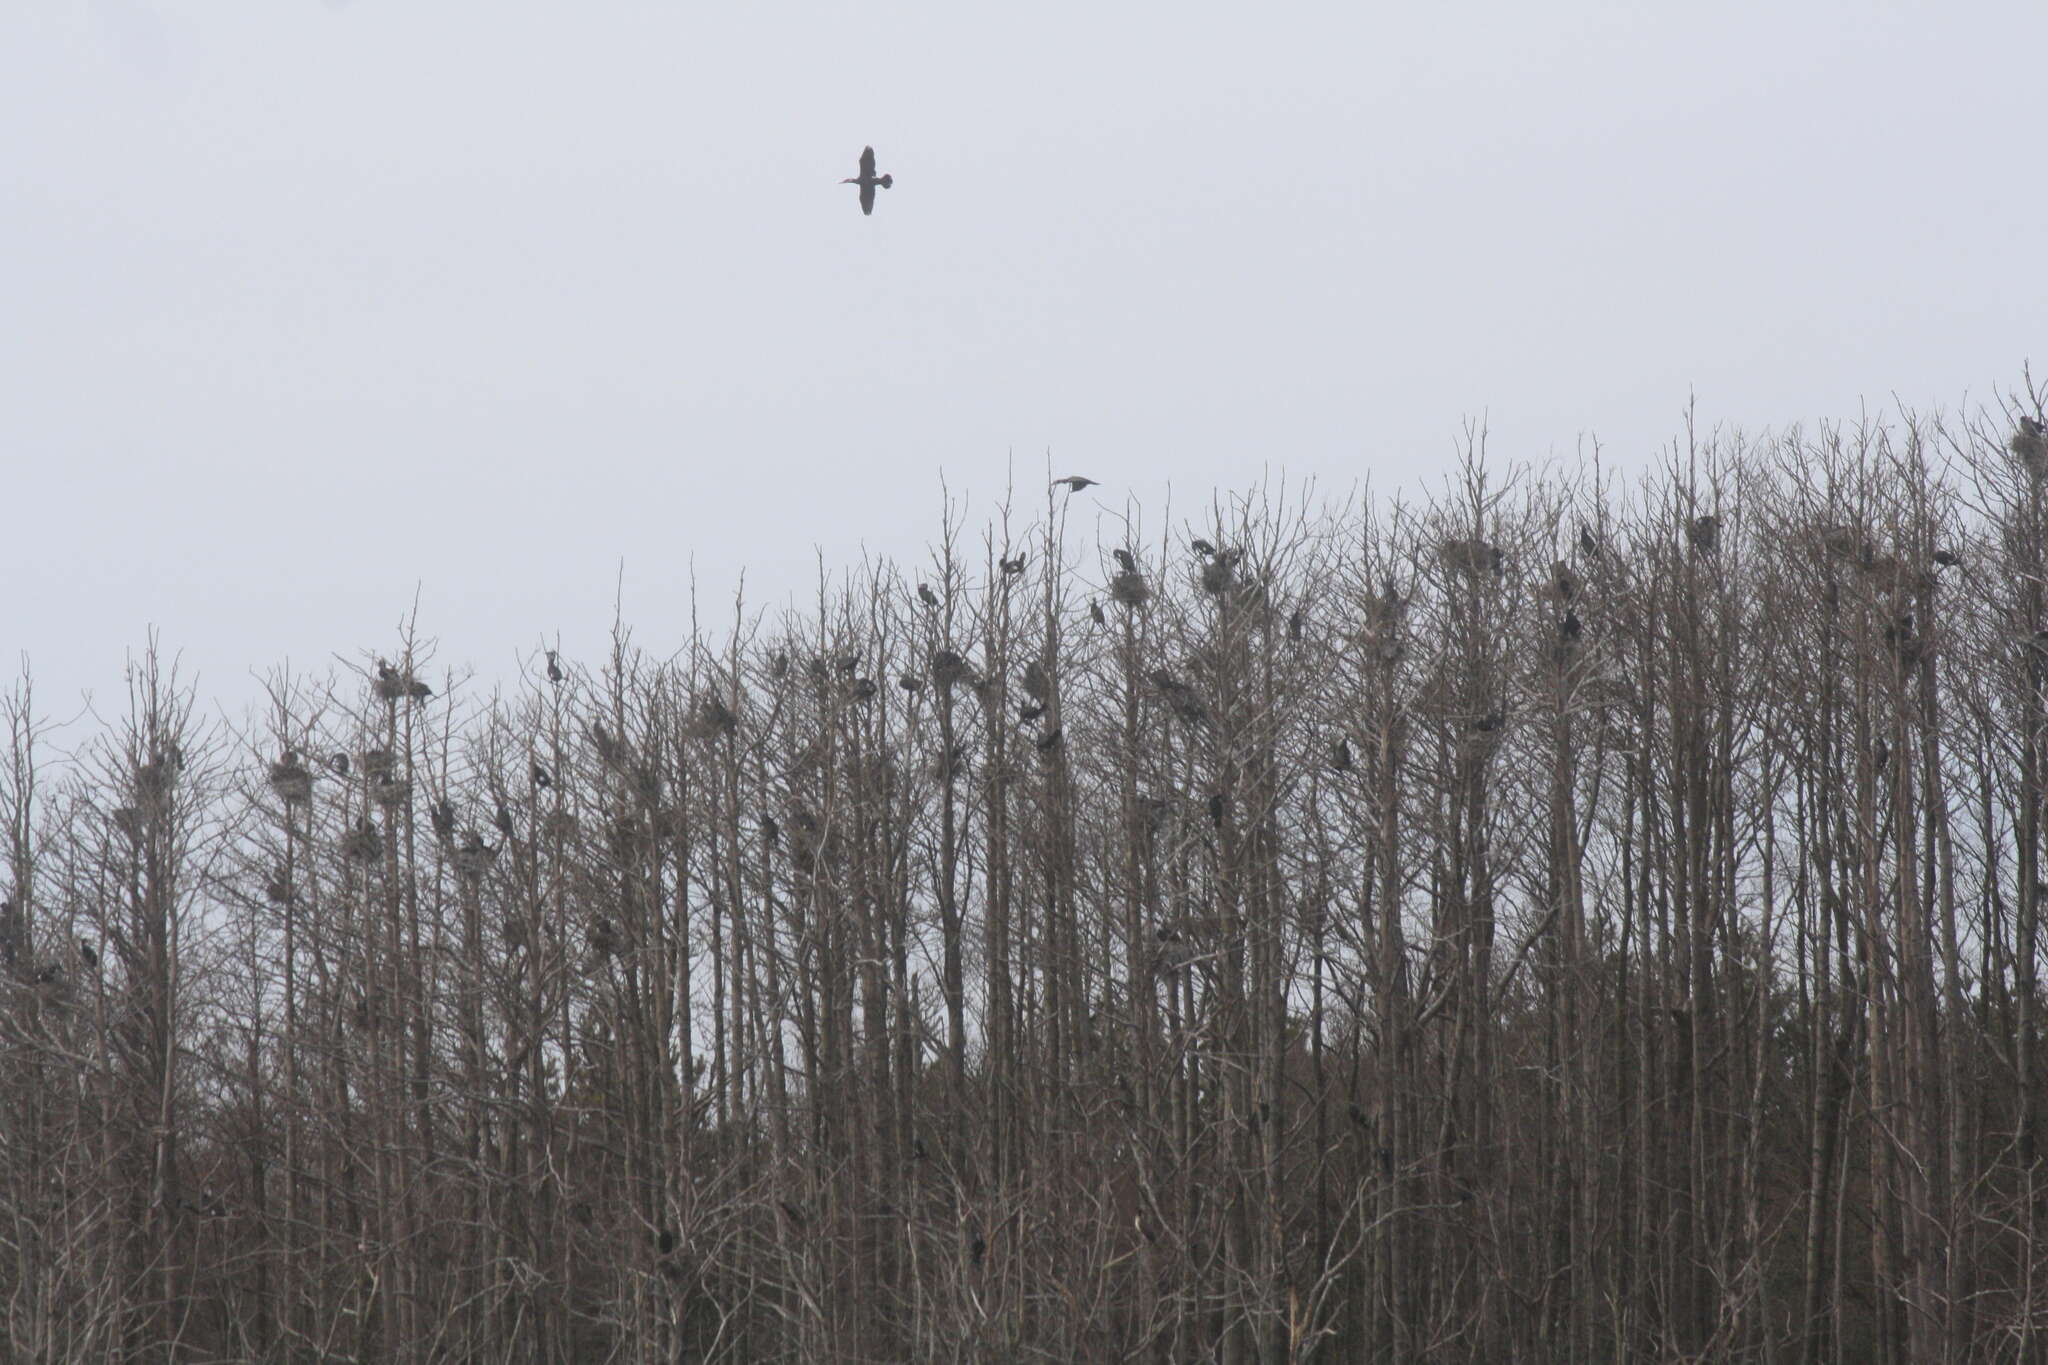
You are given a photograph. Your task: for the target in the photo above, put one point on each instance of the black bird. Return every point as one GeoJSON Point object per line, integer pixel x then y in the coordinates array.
{"type": "Point", "coordinates": [1570, 628]}
{"type": "Point", "coordinates": [86, 955]}
{"type": "Point", "coordinates": [554, 669]}
{"type": "Point", "coordinates": [1075, 483]}
{"type": "Point", "coordinates": [1218, 804]}
{"type": "Point", "coordinates": [910, 682]}
{"type": "Point", "coordinates": [1030, 713]}
{"type": "Point", "coordinates": [1202, 547]}
{"type": "Point", "coordinates": [1705, 533]}
{"type": "Point", "coordinates": [867, 180]}
{"type": "Point", "coordinates": [1340, 756]}
{"type": "Point", "coordinates": [1294, 624]}
{"type": "Point", "coordinates": [1095, 614]}
{"type": "Point", "coordinates": [1124, 560]}
{"type": "Point", "coordinates": [1048, 741]}
{"type": "Point", "coordinates": [778, 667]}
{"type": "Point", "coordinates": [418, 690]}
{"type": "Point", "coordinates": [542, 778]}
{"type": "Point", "coordinates": [927, 596]}
{"type": "Point", "coordinates": [1013, 567]}
{"type": "Point", "coordinates": [863, 689]}
{"type": "Point", "coordinates": [666, 1241]}
{"type": "Point", "coordinates": [1948, 559]}
{"type": "Point", "coordinates": [503, 820]}
{"type": "Point", "coordinates": [339, 762]}
{"type": "Point", "coordinates": [1588, 545]}
{"type": "Point", "coordinates": [770, 831]}
{"type": "Point", "coordinates": [443, 815]}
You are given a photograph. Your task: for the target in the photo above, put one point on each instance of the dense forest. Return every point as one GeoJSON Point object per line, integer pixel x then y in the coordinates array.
{"type": "Point", "coordinates": [1557, 917]}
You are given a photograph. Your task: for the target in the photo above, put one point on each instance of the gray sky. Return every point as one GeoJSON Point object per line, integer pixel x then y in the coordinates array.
{"type": "Point", "coordinates": [308, 304]}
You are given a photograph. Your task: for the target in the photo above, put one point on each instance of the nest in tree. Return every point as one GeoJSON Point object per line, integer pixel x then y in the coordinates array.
{"type": "Point", "coordinates": [1472, 556]}
{"type": "Point", "coordinates": [1130, 588]}
{"type": "Point", "coordinates": [362, 844]}
{"type": "Point", "coordinates": [474, 858]}
{"type": "Point", "coordinates": [562, 826]}
{"type": "Point", "coordinates": [391, 792]}
{"type": "Point", "coordinates": [711, 718]}
{"type": "Point", "coordinates": [2029, 446]}
{"type": "Point", "coordinates": [377, 764]}
{"type": "Point", "coordinates": [948, 669]}
{"type": "Point", "coordinates": [290, 780]}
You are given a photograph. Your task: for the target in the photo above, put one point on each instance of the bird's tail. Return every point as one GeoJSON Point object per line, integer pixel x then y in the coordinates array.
{"type": "Point", "coordinates": [886, 181]}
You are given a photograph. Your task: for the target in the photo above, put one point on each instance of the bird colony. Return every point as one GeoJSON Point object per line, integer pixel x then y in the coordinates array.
{"type": "Point", "coordinates": [1562, 918]}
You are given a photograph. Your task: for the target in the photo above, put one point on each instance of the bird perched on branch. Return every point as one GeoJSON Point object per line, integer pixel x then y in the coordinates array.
{"type": "Point", "coordinates": [867, 180]}
{"type": "Point", "coordinates": [554, 669]}
{"type": "Point", "coordinates": [1012, 565]}
{"type": "Point", "coordinates": [927, 596]}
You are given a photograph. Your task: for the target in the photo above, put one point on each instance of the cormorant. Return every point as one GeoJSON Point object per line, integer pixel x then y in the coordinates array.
{"type": "Point", "coordinates": [1948, 559]}
{"type": "Point", "coordinates": [542, 778]}
{"type": "Point", "coordinates": [867, 180]}
{"type": "Point", "coordinates": [1202, 547]}
{"type": "Point", "coordinates": [1075, 483]}
{"type": "Point", "coordinates": [927, 596]}
{"type": "Point", "coordinates": [554, 669]}
{"type": "Point", "coordinates": [1012, 567]}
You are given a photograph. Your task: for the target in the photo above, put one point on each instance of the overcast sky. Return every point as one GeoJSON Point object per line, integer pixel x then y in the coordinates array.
{"type": "Point", "coordinates": [310, 305]}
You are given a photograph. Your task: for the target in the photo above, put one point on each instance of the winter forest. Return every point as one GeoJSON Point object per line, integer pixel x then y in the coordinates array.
{"type": "Point", "coordinates": [1549, 916]}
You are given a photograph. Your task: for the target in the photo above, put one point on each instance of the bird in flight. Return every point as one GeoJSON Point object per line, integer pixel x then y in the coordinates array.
{"type": "Point", "coordinates": [1075, 482]}
{"type": "Point", "coordinates": [867, 180]}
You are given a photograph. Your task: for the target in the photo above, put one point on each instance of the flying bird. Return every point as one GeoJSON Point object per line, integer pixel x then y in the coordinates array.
{"type": "Point", "coordinates": [867, 180]}
{"type": "Point", "coordinates": [1075, 483]}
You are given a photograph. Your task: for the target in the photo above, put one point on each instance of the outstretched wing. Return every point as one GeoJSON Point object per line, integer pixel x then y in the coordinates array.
{"type": "Point", "coordinates": [867, 163]}
{"type": "Point", "coordinates": [867, 196]}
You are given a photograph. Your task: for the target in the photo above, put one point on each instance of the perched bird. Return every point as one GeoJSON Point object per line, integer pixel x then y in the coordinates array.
{"type": "Point", "coordinates": [1048, 741]}
{"type": "Point", "coordinates": [1588, 545]}
{"type": "Point", "coordinates": [502, 818]}
{"type": "Point", "coordinates": [867, 180]}
{"type": "Point", "coordinates": [863, 689]}
{"type": "Point", "coordinates": [1705, 533]}
{"type": "Point", "coordinates": [910, 682]}
{"type": "Point", "coordinates": [1012, 567]}
{"type": "Point", "coordinates": [1095, 614]}
{"type": "Point", "coordinates": [1948, 559]}
{"type": "Point", "coordinates": [1570, 628]}
{"type": "Point", "coordinates": [554, 669]}
{"type": "Point", "coordinates": [339, 762]}
{"type": "Point", "coordinates": [542, 778]}
{"type": "Point", "coordinates": [418, 690]}
{"type": "Point", "coordinates": [90, 958]}
{"type": "Point", "coordinates": [1075, 483]}
{"type": "Point", "coordinates": [1030, 713]}
{"type": "Point", "coordinates": [1340, 756]}
{"type": "Point", "coordinates": [927, 596]}
{"type": "Point", "coordinates": [443, 816]}
{"type": "Point", "coordinates": [1563, 581]}
{"type": "Point", "coordinates": [1202, 547]}
{"type": "Point", "coordinates": [770, 830]}
{"type": "Point", "coordinates": [665, 1242]}
{"type": "Point", "coordinates": [1124, 560]}
{"type": "Point", "coordinates": [1294, 624]}
{"type": "Point", "coordinates": [1218, 804]}
{"type": "Point", "coordinates": [1036, 680]}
